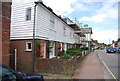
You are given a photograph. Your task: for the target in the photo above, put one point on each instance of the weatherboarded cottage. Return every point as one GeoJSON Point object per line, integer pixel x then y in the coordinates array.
{"type": "Point", "coordinates": [37, 32]}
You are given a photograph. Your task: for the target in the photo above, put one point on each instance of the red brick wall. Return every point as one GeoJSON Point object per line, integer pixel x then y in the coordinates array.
{"type": "Point", "coordinates": [24, 58]}
{"type": "Point", "coordinates": [0, 33]}
{"type": "Point", "coordinates": [57, 65]}
{"type": "Point", "coordinates": [42, 43]}
{"type": "Point", "coordinates": [6, 16]}
{"type": "Point", "coordinates": [57, 45]}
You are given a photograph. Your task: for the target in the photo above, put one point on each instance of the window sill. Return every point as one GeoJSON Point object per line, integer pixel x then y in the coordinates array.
{"type": "Point", "coordinates": [28, 50]}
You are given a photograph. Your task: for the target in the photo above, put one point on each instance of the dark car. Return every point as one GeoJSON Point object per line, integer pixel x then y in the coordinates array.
{"type": "Point", "coordinates": [110, 50]}
{"type": "Point", "coordinates": [102, 48]}
{"type": "Point", "coordinates": [8, 74]}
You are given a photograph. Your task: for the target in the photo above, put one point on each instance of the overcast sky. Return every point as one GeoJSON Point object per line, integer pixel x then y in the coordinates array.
{"type": "Point", "coordinates": [101, 15]}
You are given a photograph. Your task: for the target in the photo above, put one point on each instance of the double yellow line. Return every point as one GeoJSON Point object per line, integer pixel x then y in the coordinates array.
{"type": "Point", "coordinates": [108, 68]}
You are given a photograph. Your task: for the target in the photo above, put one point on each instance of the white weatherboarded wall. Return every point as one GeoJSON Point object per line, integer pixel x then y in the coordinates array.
{"type": "Point", "coordinates": [22, 29]}
{"type": "Point", "coordinates": [44, 31]}
{"type": "Point", "coordinates": [88, 37]}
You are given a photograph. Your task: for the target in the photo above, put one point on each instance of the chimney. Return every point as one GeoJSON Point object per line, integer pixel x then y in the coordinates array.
{"type": "Point", "coordinates": [50, 9]}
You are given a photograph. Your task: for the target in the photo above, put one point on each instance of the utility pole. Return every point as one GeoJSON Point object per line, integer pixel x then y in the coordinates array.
{"type": "Point", "coordinates": [33, 43]}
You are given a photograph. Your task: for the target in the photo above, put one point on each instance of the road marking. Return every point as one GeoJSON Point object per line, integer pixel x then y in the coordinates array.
{"type": "Point", "coordinates": [108, 68]}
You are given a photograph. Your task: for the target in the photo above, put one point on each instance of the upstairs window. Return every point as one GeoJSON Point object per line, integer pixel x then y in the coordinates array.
{"type": "Point", "coordinates": [28, 14]}
{"type": "Point", "coordinates": [28, 46]}
{"type": "Point", "coordinates": [70, 34]}
{"type": "Point", "coordinates": [64, 29]}
{"type": "Point", "coordinates": [52, 21]}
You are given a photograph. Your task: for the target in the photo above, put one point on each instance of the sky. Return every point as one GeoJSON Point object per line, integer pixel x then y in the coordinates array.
{"type": "Point", "coordinates": [100, 15]}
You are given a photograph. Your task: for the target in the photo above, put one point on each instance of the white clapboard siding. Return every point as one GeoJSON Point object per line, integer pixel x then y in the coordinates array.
{"type": "Point", "coordinates": [88, 37]}
{"type": "Point", "coordinates": [22, 29]}
{"type": "Point", "coordinates": [43, 27]}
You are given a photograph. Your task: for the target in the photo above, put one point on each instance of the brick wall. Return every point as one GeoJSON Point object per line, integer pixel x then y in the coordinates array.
{"type": "Point", "coordinates": [57, 45]}
{"type": "Point", "coordinates": [1, 32]}
{"type": "Point", "coordinates": [5, 32]}
{"type": "Point", "coordinates": [24, 58]}
{"type": "Point", "coordinates": [57, 65]}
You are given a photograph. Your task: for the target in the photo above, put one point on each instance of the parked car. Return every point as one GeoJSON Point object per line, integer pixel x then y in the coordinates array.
{"type": "Point", "coordinates": [110, 50]}
{"type": "Point", "coordinates": [8, 74]}
{"type": "Point", "coordinates": [102, 48]}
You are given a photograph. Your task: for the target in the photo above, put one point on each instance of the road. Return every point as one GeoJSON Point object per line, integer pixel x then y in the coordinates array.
{"type": "Point", "coordinates": [110, 60]}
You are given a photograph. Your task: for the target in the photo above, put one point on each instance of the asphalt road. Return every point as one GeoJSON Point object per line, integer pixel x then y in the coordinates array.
{"type": "Point", "coordinates": [111, 61]}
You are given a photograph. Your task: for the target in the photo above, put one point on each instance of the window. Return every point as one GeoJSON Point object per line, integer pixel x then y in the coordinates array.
{"type": "Point", "coordinates": [28, 14]}
{"type": "Point", "coordinates": [28, 46]}
{"type": "Point", "coordinates": [70, 34]}
{"type": "Point", "coordinates": [64, 29]}
{"type": "Point", "coordinates": [52, 21]}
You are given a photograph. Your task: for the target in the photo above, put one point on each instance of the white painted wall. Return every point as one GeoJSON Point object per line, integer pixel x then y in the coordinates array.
{"type": "Point", "coordinates": [88, 37]}
{"type": "Point", "coordinates": [22, 29]}
{"type": "Point", "coordinates": [57, 33]}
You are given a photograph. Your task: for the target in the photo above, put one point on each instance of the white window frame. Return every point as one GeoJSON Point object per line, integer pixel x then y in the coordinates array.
{"type": "Point", "coordinates": [52, 21]}
{"type": "Point", "coordinates": [64, 29]}
{"type": "Point", "coordinates": [28, 14]}
{"type": "Point", "coordinates": [44, 50]}
{"type": "Point", "coordinates": [71, 36]}
{"type": "Point", "coordinates": [53, 50]}
{"type": "Point", "coordinates": [28, 47]}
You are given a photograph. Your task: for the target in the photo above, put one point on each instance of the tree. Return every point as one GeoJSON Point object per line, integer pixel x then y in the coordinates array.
{"type": "Point", "coordinates": [118, 40]}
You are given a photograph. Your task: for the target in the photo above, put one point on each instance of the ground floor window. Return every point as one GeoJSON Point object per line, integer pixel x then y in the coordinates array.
{"type": "Point", "coordinates": [28, 46]}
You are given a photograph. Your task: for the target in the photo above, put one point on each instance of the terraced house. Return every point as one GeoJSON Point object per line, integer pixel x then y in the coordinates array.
{"type": "Point", "coordinates": [37, 32]}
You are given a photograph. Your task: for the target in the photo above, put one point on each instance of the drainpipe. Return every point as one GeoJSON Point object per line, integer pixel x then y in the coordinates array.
{"type": "Point", "coordinates": [33, 51]}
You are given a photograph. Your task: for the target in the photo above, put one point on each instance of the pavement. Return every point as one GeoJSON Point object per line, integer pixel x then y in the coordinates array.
{"type": "Point", "coordinates": [90, 68]}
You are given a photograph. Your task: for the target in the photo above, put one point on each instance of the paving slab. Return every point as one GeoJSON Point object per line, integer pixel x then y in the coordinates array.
{"type": "Point", "coordinates": [90, 68]}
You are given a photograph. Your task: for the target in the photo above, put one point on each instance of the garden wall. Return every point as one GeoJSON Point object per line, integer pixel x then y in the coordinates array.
{"type": "Point", "coordinates": [57, 65]}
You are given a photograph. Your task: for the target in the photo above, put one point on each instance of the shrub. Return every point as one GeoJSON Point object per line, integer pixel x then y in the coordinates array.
{"type": "Point", "coordinates": [65, 56]}
{"type": "Point", "coordinates": [74, 52]}
{"type": "Point", "coordinates": [70, 53]}
{"type": "Point", "coordinates": [85, 48]}
{"type": "Point", "coordinates": [61, 53]}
